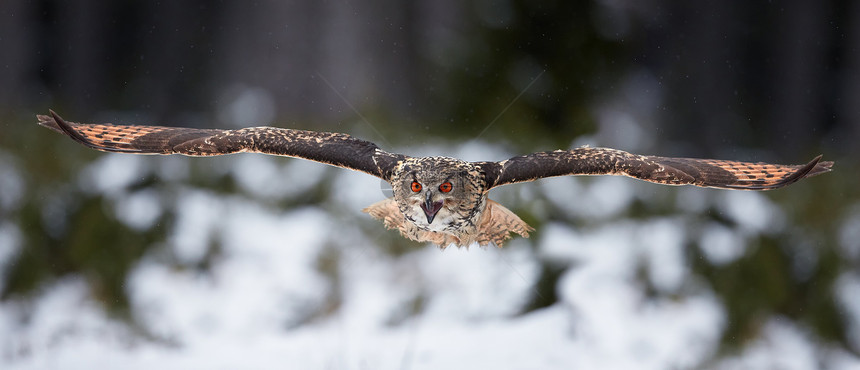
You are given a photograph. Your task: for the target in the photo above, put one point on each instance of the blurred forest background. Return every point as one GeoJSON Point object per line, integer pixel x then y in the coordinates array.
{"type": "Point", "coordinates": [775, 81]}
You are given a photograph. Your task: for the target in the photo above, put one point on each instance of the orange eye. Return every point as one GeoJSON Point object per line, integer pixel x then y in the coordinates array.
{"type": "Point", "coordinates": [416, 187]}
{"type": "Point", "coordinates": [445, 187]}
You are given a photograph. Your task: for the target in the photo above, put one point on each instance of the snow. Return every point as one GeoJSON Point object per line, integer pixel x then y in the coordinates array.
{"type": "Point", "coordinates": [662, 247]}
{"type": "Point", "coordinates": [307, 288]}
{"type": "Point", "coordinates": [10, 244]}
{"type": "Point", "coordinates": [111, 174]}
{"type": "Point", "coordinates": [753, 212]}
{"type": "Point", "coordinates": [848, 288]}
{"type": "Point", "coordinates": [720, 244]}
{"type": "Point", "coordinates": [599, 198]}
{"type": "Point", "coordinates": [140, 209]}
{"type": "Point", "coordinates": [197, 216]}
{"type": "Point", "coordinates": [785, 346]}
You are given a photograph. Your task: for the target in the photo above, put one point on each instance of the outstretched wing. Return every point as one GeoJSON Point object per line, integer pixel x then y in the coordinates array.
{"type": "Point", "coordinates": [336, 149]}
{"type": "Point", "coordinates": [663, 170]}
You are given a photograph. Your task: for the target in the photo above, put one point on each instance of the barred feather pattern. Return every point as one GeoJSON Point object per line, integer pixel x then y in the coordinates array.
{"type": "Point", "coordinates": [713, 173]}
{"type": "Point", "coordinates": [441, 200]}
{"type": "Point", "coordinates": [335, 149]}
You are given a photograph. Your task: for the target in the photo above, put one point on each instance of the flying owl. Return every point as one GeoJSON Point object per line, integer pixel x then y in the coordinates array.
{"type": "Point", "coordinates": [441, 200]}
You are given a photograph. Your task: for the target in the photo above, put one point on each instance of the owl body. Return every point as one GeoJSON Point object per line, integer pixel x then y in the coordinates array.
{"type": "Point", "coordinates": [441, 200]}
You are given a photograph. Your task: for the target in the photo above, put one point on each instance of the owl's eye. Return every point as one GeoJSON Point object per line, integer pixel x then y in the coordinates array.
{"type": "Point", "coordinates": [445, 187]}
{"type": "Point", "coordinates": [416, 187]}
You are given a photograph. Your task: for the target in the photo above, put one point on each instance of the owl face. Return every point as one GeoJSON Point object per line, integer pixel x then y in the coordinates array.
{"type": "Point", "coordinates": [431, 195]}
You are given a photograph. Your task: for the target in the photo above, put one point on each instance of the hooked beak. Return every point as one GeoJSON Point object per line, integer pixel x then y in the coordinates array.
{"type": "Point", "coordinates": [430, 207]}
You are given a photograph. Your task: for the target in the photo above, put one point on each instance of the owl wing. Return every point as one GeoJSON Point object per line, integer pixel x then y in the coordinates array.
{"type": "Point", "coordinates": [335, 149]}
{"type": "Point", "coordinates": [712, 173]}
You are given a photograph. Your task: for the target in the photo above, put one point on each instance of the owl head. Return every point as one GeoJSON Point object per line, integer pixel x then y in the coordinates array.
{"type": "Point", "coordinates": [434, 192]}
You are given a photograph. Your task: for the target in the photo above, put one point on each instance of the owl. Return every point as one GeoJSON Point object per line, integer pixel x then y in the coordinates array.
{"type": "Point", "coordinates": [441, 200]}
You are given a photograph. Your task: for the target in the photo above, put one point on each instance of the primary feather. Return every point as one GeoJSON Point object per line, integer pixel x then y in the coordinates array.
{"type": "Point", "coordinates": [458, 213]}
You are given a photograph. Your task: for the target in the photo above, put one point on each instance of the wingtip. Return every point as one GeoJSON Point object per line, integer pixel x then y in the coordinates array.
{"type": "Point", "coordinates": [819, 166]}
{"type": "Point", "coordinates": [48, 121]}
{"type": "Point", "coordinates": [48, 117]}
{"type": "Point", "coordinates": [812, 163]}
{"type": "Point", "coordinates": [802, 172]}
{"type": "Point", "coordinates": [63, 125]}
{"type": "Point", "coordinates": [812, 168]}
{"type": "Point", "coordinates": [44, 120]}
{"type": "Point", "coordinates": [55, 116]}
{"type": "Point", "coordinates": [57, 123]}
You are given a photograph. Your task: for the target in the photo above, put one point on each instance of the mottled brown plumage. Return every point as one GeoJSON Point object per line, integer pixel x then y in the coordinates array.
{"type": "Point", "coordinates": [440, 200]}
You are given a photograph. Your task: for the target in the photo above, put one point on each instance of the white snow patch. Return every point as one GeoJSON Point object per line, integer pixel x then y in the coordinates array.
{"type": "Point", "coordinates": [615, 324]}
{"type": "Point", "coordinates": [848, 295]}
{"type": "Point", "coordinates": [692, 199]}
{"type": "Point", "coordinates": [273, 177]}
{"type": "Point", "coordinates": [620, 329]}
{"type": "Point", "coordinates": [198, 214]}
{"type": "Point", "coordinates": [662, 242]}
{"type": "Point", "coordinates": [754, 212]}
{"type": "Point", "coordinates": [476, 283]}
{"type": "Point", "coordinates": [354, 191]}
{"type": "Point", "coordinates": [265, 282]}
{"type": "Point", "coordinates": [10, 245]}
{"type": "Point", "coordinates": [609, 249]}
{"type": "Point", "coordinates": [721, 245]}
{"type": "Point", "coordinates": [174, 168]}
{"type": "Point", "coordinates": [594, 198]}
{"type": "Point", "coordinates": [64, 318]}
{"type": "Point", "coordinates": [111, 174]}
{"type": "Point", "coordinates": [782, 345]}
{"type": "Point", "coordinates": [259, 175]}
{"type": "Point", "coordinates": [140, 209]}
{"type": "Point", "coordinates": [266, 303]}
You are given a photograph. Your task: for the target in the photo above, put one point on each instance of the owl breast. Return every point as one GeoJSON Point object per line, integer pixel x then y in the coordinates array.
{"type": "Point", "coordinates": [453, 218]}
{"type": "Point", "coordinates": [445, 221]}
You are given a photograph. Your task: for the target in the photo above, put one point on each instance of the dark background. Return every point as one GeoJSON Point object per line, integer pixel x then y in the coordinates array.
{"type": "Point", "coordinates": [748, 80]}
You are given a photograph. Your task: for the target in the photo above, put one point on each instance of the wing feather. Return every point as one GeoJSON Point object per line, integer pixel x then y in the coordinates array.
{"type": "Point", "coordinates": [663, 170]}
{"type": "Point", "coordinates": [335, 149]}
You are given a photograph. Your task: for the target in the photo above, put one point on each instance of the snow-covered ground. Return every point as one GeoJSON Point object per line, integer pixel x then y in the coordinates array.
{"type": "Point", "coordinates": [307, 288]}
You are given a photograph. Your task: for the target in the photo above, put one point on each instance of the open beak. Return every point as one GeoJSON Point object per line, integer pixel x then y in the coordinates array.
{"type": "Point", "coordinates": [430, 207]}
